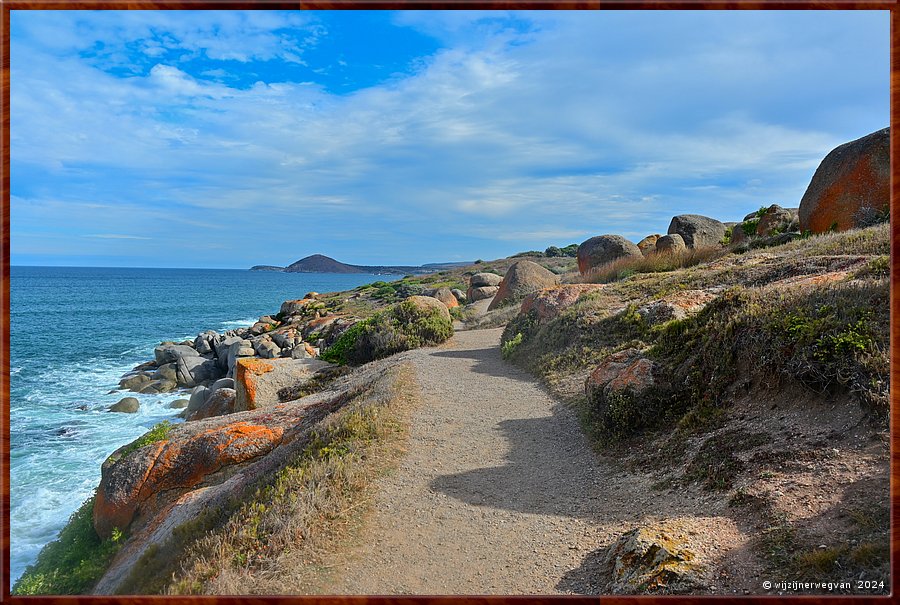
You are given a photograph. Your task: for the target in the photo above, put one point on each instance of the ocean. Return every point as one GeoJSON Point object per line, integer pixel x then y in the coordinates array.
{"type": "Point", "coordinates": [74, 332]}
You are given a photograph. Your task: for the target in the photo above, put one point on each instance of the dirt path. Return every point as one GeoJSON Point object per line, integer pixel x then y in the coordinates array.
{"type": "Point", "coordinates": [499, 492]}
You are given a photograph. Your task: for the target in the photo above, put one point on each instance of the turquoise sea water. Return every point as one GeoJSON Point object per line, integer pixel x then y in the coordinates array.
{"type": "Point", "coordinates": [74, 332]}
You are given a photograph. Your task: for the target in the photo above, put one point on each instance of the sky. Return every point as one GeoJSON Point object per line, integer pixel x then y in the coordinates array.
{"type": "Point", "coordinates": [230, 139]}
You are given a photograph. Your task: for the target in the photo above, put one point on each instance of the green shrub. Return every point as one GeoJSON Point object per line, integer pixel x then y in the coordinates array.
{"type": "Point", "coordinates": [73, 562]}
{"type": "Point", "coordinates": [399, 328]}
{"type": "Point", "coordinates": [749, 226]}
{"type": "Point", "coordinates": [726, 239]}
{"type": "Point", "coordinates": [509, 347]}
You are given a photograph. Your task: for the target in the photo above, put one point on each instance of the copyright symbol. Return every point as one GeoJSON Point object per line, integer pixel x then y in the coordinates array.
{"type": "Point", "coordinates": [767, 585]}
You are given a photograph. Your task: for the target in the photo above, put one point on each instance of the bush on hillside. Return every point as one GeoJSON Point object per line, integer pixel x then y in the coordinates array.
{"type": "Point", "coordinates": [402, 327]}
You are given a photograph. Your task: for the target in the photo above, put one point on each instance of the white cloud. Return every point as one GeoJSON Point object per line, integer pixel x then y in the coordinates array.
{"type": "Point", "coordinates": [547, 126]}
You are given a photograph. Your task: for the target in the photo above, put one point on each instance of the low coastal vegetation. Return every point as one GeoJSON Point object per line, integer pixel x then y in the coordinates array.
{"type": "Point", "coordinates": [407, 325]}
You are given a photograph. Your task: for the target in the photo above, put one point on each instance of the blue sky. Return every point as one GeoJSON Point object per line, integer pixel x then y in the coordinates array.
{"type": "Point", "coordinates": [228, 139]}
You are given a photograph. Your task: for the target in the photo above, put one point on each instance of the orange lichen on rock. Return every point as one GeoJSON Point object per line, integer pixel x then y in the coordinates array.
{"type": "Point", "coordinates": [852, 181]}
{"type": "Point", "coordinates": [550, 302]}
{"type": "Point", "coordinates": [133, 485]}
{"type": "Point", "coordinates": [244, 372]}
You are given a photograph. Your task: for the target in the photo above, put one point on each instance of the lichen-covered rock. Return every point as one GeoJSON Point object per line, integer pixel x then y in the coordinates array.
{"type": "Point", "coordinates": [648, 244]}
{"type": "Point", "coordinates": [852, 181]}
{"type": "Point", "coordinates": [653, 559]}
{"type": "Point", "coordinates": [603, 249]}
{"type": "Point", "coordinates": [675, 306]}
{"type": "Point", "coordinates": [522, 277]}
{"type": "Point", "coordinates": [258, 381]}
{"type": "Point", "coordinates": [626, 370]}
{"type": "Point", "coordinates": [130, 483]}
{"type": "Point", "coordinates": [550, 302]}
{"type": "Point", "coordinates": [668, 244]}
{"type": "Point", "coordinates": [697, 231]}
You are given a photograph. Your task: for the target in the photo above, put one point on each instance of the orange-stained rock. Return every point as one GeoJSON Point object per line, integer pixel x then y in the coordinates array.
{"type": "Point", "coordinates": [522, 277]}
{"type": "Point", "coordinates": [131, 485]}
{"type": "Point", "coordinates": [626, 370]}
{"type": "Point", "coordinates": [801, 281]}
{"type": "Point", "coordinates": [257, 381]}
{"type": "Point", "coordinates": [852, 183]}
{"type": "Point", "coordinates": [550, 302]}
{"type": "Point", "coordinates": [648, 244]}
{"type": "Point", "coordinates": [608, 369]}
{"type": "Point", "coordinates": [637, 376]}
{"type": "Point", "coordinates": [445, 296]}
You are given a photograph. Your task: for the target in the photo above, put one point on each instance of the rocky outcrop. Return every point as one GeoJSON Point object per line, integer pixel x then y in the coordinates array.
{"type": "Point", "coordinates": [258, 381]}
{"type": "Point", "coordinates": [777, 220]}
{"type": "Point", "coordinates": [550, 302]}
{"type": "Point", "coordinates": [169, 353]}
{"type": "Point", "coordinates": [132, 485]}
{"type": "Point", "coordinates": [697, 231]}
{"type": "Point", "coordinates": [669, 244]}
{"type": "Point", "coordinates": [850, 187]}
{"type": "Point", "coordinates": [603, 249]}
{"type": "Point", "coordinates": [648, 244]}
{"type": "Point", "coordinates": [522, 277]}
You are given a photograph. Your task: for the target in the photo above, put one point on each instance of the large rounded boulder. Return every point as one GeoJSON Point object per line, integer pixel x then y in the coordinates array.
{"type": "Point", "coordinates": [850, 186]}
{"type": "Point", "coordinates": [648, 244]}
{"type": "Point", "coordinates": [604, 249]}
{"type": "Point", "coordinates": [669, 244]}
{"type": "Point", "coordinates": [445, 296]}
{"type": "Point", "coordinates": [697, 231]}
{"type": "Point", "coordinates": [522, 278]}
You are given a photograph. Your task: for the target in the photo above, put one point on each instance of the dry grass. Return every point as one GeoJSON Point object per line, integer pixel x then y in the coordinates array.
{"type": "Point", "coordinates": [652, 263]}
{"type": "Point", "coordinates": [274, 538]}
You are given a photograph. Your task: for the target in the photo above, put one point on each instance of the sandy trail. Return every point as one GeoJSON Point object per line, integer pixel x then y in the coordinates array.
{"type": "Point", "coordinates": [499, 491]}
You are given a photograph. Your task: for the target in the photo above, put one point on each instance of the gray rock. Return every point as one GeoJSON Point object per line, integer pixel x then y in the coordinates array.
{"type": "Point", "coordinates": [523, 277]}
{"type": "Point", "coordinates": [459, 294]}
{"type": "Point", "coordinates": [603, 249]}
{"type": "Point", "coordinates": [198, 398]}
{"type": "Point", "coordinates": [159, 386]}
{"type": "Point", "coordinates": [299, 352]}
{"type": "Point", "coordinates": [166, 371]}
{"type": "Point", "coordinates": [203, 344]}
{"type": "Point", "coordinates": [668, 244]}
{"type": "Point", "coordinates": [223, 348]}
{"type": "Point", "coordinates": [190, 371]}
{"type": "Point", "coordinates": [697, 231]}
{"type": "Point", "coordinates": [128, 405]}
{"type": "Point", "coordinates": [485, 279]}
{"type": "Point", "coordinates": [481, 293]}
{"type": "Point", "coordinates": [738, 235]}
{"type": "Point", "coordinates": [168, 353]}
{"type": "Point", "coordinates": [179, 404]}
{"type": "Point", "coordinates": [267, 349]}
{"type": "Point", "coordinates": [217, 404]}
{"type": "Point", "coordinates": [134, 382]}
{"type": "Point", "coordinates": [256, 390]}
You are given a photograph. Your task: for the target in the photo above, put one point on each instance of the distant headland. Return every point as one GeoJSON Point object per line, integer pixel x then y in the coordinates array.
{"type": "Point", "coordinates": [319, 263]}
